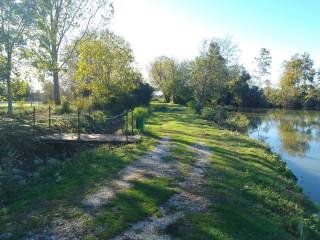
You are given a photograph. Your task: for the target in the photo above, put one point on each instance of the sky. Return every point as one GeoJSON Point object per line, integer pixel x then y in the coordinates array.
{"type": "Point", "coordinates": [177, 28]}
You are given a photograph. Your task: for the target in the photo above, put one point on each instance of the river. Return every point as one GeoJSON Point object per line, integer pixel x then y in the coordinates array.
{"type": "Point", "coordinates": [295, 136]}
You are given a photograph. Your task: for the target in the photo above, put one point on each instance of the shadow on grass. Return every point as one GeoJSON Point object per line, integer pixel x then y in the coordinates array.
{"type": "Point", "coordinates": [131, 206]}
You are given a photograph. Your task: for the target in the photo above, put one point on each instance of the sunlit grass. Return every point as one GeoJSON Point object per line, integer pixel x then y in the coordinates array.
{"type": "Point", "coordinates": [253, 194]}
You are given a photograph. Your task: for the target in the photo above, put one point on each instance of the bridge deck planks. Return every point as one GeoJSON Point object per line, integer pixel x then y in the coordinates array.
{"type": "Point", "coordinates": [98, 138]}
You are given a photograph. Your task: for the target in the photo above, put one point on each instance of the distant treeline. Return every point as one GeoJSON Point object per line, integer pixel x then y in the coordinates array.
{"type": "Point", "coordinates": [215, 77]}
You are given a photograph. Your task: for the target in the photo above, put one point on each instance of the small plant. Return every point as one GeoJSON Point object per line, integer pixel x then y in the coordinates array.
{"type": "Point", "coordinates": [238, 122]}
{"type": "Point", "coordinates": [65, 108]}
{"type": "Point", "coordinates": [217, 114]}
{"type": "Point", "coordinates": [98, 116]}
{"type": "Point", "coordinates": [21, 105]}
{"type": "Point", "coordinates": [82, 103]}
{"type": "Point", "coordinates": [194, 105]}
{"type": "Point", "coordinates": [140, 112]}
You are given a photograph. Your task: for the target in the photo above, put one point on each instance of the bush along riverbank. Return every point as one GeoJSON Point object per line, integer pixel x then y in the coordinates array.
{"type": "Point", "coordinates": [215, 184]}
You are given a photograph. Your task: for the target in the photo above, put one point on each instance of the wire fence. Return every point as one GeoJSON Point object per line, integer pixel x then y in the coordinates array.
{"type": "Point", "coordinates": [46, 121]}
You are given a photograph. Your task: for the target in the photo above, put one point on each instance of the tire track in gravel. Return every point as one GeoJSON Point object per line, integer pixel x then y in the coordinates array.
{"type": "Point", "coordinates": [188, 199]}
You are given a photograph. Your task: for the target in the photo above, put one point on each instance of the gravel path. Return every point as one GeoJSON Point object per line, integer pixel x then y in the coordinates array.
{"type": "Point", "coordinates": [188, 199]}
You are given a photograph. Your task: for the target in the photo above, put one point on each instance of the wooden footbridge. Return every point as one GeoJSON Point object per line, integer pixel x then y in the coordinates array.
{"type": "Point", "coordinates": [90, 138]}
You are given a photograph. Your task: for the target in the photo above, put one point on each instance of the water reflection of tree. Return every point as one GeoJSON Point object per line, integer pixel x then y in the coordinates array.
{"type": "Point", "coordinates": [294, 138]}
{"type": "Point", "coordinates": [296, 128]}
{"type": "Point", "coordinates": [255, 121]}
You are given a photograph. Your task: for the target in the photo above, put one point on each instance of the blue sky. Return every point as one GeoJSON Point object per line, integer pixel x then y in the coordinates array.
{"type": "Point", "coordinates": [176, 28]}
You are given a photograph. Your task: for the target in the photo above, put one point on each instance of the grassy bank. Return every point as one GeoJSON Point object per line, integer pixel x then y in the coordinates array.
{"type": "Point", "coordinates": [252, 193]}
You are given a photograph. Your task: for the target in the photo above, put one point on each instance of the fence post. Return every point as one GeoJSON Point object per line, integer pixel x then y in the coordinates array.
{"type": "Point", "coordinates": [132, 122]}
{"type": "Point", "coordinates": [49, 118]}
{"type": "Point", "coordinates": [34, 121]}
{"type": "Point", "coordinates": [89, 119]}
{"type": "Point", "coordinates": [127, 125]}
{"type": "Point", "coordinates": [78, 125]}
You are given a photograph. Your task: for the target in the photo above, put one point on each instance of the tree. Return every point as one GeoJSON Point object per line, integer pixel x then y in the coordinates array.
{"type": "Point", "coordinates": [20, 89]}
{"type": "Point", "coordinates": [263, 64]}
{"type": "Point", "coordinates": [228, 50]}
{"type": "Point", "coordinates": [162, 75]}
{"type": "Point", "coordinates": [238, 85]}
{"type": "Point", "coordinates": [297, 79]}
{"type": "Point", "coordinates": [57, 21]}
{"type": "Point", "coordinates": [209, 74]}
{"type": "Point", "coordinates": [182, 83]}
{"type": "Point", "coordinates": [2, 76]}
{"type": "Point", "coordinates": [105, 71]}
{"type": "Point", "coordinates": [15, 18]}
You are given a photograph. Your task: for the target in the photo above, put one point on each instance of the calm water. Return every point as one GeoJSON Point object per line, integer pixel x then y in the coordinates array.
{"type": "Point", "coordinates": [295, 135]}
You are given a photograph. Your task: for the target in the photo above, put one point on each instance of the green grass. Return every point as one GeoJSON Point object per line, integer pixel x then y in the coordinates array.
{"type": "Point", "coordinates": [136, 203]}
{"type": "Point", "coordinates": [253, 194]}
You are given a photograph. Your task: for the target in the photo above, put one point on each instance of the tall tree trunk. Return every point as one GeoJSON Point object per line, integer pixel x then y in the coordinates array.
{"type": "Point", "coordinates": [55, 75]}
{"type": "Point", "coordinates": [9, 84]}
{"type": "Point", "coordinates": [166, 98]}
{"type": "Point", "coordinates": [56, 87]}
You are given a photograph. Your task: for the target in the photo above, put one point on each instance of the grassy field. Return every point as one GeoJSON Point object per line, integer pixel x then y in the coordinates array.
{"type": "Point", "coordinates": [252, 193]}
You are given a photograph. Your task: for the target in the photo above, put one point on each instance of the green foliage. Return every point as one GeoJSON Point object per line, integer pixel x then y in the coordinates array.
{"type": "Point", "coordinates": [217, 114]}
{"type": "Point", "coordinates": [163, 75]}
{"type": "Point", "coordinates": [220, 116]}
{"type": "Point", "coordinates": [98, 122]}
{"type": "Point", "coordinates": [20, 89]}
{"type": "Point", "coordinates": [209, 74]}
{"type": "Point", "coordinates": [173, 78]}
{"type": "Point", "coordinates": [21, 105]}
{"type": "Point", "coordinates": [238, 122]}
{"type": "Point", "coordinates": [182, 85]}
{"type": "Point", "coordinates": [16, 18]}
{"type": "Point", "coordinates": [55, 23]}
{"type": "Point", "coordinates": [263, 66]}
{"type": "Point", "coordinates": [105, 72]}
{"type": "Point", "coordinates": [298, 87]}
{"type": "Point", "coordinates": [65, 108]}
{"type": "Point", "coordinates": [141, 112]}
{"type": "Point", "coordinates": [82, 103]}
{"type": "Point", "coordinates": [215, 77]}
{"type": "Point", "coordinates": [194, 105]}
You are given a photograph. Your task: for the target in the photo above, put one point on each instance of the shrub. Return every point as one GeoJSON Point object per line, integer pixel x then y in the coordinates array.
{"type": "Point", "coordinates": [64, 108]}
{"type": "Point", "coordinates": [82, 103]}
{"type": "Point", "coordinates": [216, 114]}
{"type": "Point", "coordinates": [221, 117]}
{"type": "Point", "coordinates": [99, 122]}
{"type": "Point", "coordinates": [194, 105]}
{"type": "Point", "coordinates": [98, 116]}
{"type": "Point", "coordinates": [21, 105]}
{"type": "Point", "coordinates": [238, 122]}
{"type": "Point", "coordinates": [140, 112]}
